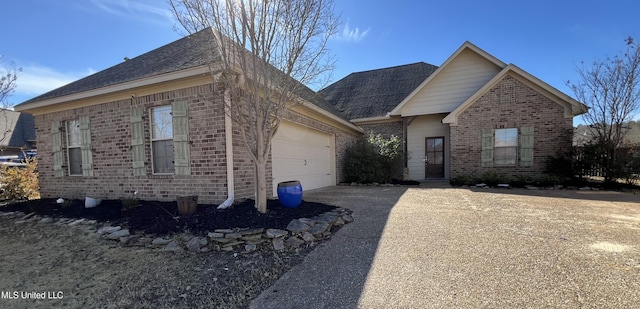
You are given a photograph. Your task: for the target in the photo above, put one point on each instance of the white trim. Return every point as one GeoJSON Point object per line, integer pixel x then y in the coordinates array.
{"type": "Point", "coordinates": [126, 86]}
{"type": "Point", "coordinates": [325, 113]}
{"type": "Point", "coordinates": [372, 119]}
{"type": "Point", "coordinates": [466, 45]}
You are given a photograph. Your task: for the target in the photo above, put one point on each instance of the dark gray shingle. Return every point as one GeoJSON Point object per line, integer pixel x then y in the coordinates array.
{"type": "Point", "coordinates": [375, 93]}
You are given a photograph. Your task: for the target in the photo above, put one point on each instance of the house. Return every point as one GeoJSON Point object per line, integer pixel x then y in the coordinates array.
{"type": "Point", "coordinates": [472, 115]}
{"type": "Point", "coordinates": [156, 124]}
{"type": "Point", "coordinates": [17, 133]}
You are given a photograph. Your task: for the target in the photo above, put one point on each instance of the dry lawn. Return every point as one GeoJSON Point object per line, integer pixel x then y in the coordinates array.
{"type": "Point", "coordinates": [91, 272]}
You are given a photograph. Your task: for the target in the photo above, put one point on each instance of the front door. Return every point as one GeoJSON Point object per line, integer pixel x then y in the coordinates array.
{"type": "Point", "coordinates": [434, 157]}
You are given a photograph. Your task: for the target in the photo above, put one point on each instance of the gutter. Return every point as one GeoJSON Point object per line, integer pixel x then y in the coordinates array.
{"type": "Point", "coordinates": [228, 137]}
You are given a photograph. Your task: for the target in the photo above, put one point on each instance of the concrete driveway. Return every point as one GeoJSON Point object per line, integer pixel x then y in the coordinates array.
{"type": "Point", "coordinates": [470, 248]}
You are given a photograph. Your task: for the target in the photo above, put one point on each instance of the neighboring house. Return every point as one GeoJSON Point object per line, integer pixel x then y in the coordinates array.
{"type": "Point", "coordinates": [472, 115]}
{"type": "Point", "coordinates": [17, 133]}
{"type": "Point", "coordinates": [156, 124]}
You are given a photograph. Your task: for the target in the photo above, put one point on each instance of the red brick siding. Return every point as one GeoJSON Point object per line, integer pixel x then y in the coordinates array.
{"type": "Point", "coordinates": [111, 141]}
{"type": "Point", "coordinates": [510, 104]}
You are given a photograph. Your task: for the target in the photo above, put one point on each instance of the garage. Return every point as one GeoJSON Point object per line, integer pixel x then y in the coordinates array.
{"type": "Point", "coordinates": [304, 154]}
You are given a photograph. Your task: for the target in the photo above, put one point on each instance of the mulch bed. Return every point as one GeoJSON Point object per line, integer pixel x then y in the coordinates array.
{"type": "Point", "coordinates": [161, 218]}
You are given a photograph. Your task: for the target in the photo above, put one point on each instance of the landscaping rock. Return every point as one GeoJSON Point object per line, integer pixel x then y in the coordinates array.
{"type": "Point", "coordinates": [203, 241]}
{"type": "Point", "coordinates": [318, 229]}
{"type": "Point", "coordinates": [127, 239]}
{"type": "Point", "coordinates": [108, 229]}
{"type": "Point", "coordinates": [307, 221]}
{"type": "Point", "coordinates": [119, 233]}
{"type": "Point", "coordinates": [294, 242]}
{"type": "Point", "coordinates": [233, 235]}
{"type": "Point", "coordinates": [278, 244]}
{"type": "Point", "coordinates": [585, 189]}
{"type": "Point", "coordinates": [222, 240]}
{"type": "Point", "coordinates": [347, 218]}
{"type": "Point", "coordinates": [250, 247]}
{"type": "Point", "coordinates": [338, 222]}
{"type": "Point", "coordinates": [215, 235]}
{"type": "Point", "coordinates": [159, 241]}
{"type": "Point", "coordinates": [193, 245]}
{"type": "Point", "coordinates": [252, 231]}
{"type": "Point", "coordinates": [276, 233]}
{"type": "Point", "coordinates": [173, 247]}
{"type": "Point", "coordinates": [308, 237]}
{"type": "Point", "coordinates": [297, 226]}
{"type": "Point", "coordinates": [224, 231]}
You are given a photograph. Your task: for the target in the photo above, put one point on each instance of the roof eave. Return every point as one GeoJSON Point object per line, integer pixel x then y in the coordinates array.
{"type": "Point", "coordinates": [126, 86]}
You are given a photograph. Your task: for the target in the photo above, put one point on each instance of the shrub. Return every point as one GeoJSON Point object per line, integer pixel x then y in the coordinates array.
{"type": "Point", "coordinates": [20, 183]}
{"type": "Point", "coordinates": [374, 159]}
{"type": "Point", "coordinates": [493, 178]}
{"type": "Point", "coordinates": [462, 180]}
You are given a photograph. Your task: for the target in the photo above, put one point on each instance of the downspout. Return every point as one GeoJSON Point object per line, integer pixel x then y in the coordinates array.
{"type": "Point", "coordinates": [228, 138]}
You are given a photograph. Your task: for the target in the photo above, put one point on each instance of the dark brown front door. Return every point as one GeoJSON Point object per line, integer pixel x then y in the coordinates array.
{"type": "Point", "coordinates": [434, 157]}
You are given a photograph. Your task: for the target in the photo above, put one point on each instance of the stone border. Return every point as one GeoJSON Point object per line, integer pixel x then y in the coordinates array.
{"type": "Point", "coordinates": [298, 232]}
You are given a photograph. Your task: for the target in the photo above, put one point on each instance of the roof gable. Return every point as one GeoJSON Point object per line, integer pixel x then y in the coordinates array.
{"type": "Point", "coordinates": [572, 107]}
{"type": "Point", "coordinates": [375, 93]}
{"type": "Point", "coordinates": [461, 75]}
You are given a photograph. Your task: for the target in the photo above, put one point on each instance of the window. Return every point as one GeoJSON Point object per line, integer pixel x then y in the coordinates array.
{"type": "Point", "coordinates": [162, 140]}
{"type": "Point", "coordinates": [506, 147]}
{"type": "Point", "coordinates": [74, 150]}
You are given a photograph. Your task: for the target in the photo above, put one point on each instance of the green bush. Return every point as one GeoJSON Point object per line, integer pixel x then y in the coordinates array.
{"type": "Point", "coordinates": [374, 159]}
{"type": "Point", "coordinates": [20, 183]}
{"type": "Point", "coordinates": [462, 180]}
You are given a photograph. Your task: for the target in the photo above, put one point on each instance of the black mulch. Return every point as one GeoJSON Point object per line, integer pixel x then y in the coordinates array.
{"type": "Point", "coordinates": [162, 218]}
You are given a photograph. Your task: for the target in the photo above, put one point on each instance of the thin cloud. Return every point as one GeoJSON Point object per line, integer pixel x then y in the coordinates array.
{"type": "Point", "coordinates": [133, 9]}
{"type": "Point", "coordinates": [36, 80]}
{"type": "Point", "coordinates": [351, 35]}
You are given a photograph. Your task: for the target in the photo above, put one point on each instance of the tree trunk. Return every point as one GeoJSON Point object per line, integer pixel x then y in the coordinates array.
{"type": "Point", "coordinates": [261, 186]}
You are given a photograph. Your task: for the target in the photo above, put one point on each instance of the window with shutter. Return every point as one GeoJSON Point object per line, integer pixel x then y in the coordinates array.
{"type": "Point", "coordinates": [85, 146]}
{"type": "Point", "coordinates": [137, 142]}
{"type": "Point", "coordinates": [56, 139]}
{"type": "Point", "coordinates": [526, 146]}
{"type": "Point", "coordinates": [162, 153]}
{"type": "Point", "coordinates": [506, 147]}
{"type": "Point", "coordinates": [74, 147]}
{"type": "Point", "coordinates": [181, 139]}
{"type": "Point", "coordinates": [487, 148]}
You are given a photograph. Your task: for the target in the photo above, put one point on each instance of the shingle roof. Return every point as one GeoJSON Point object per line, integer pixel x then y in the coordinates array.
{"type": "Point", "coordinates": [375, 93]}
{"type": "Point", "coordinates": [182, 54]}
{"type": "Point", "coordinates": [188, 52]}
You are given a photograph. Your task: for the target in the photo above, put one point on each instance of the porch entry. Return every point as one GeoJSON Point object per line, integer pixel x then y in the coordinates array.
{"type": "Point", "coordinates": [434, 157]}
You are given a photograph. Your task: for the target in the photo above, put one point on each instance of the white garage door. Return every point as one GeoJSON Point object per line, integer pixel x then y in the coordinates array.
{"type": "Point", "coordinates": [304, 154]}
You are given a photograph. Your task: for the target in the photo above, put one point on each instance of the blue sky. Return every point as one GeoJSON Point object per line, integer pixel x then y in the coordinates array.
{"type": "Point", "coordinates": [56, 42]}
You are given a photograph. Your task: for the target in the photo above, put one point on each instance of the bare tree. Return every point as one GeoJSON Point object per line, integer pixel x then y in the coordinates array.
{"type": "Point", "coordinates": [8, 78]}
{"type": "Point", "coordinates": [610, 88]}
{"type": "Point", "coordinates": [264, 54]}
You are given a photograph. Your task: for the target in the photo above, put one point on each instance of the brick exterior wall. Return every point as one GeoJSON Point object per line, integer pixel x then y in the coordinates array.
{"type": "Point", "coordinates": [510, 104]}
{"type": "Point", "coordinates": [112, 157]}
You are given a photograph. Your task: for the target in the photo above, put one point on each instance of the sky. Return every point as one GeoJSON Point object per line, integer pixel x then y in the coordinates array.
{"type": "Point", "coordinates": [57, 42]}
